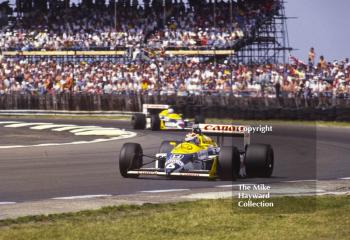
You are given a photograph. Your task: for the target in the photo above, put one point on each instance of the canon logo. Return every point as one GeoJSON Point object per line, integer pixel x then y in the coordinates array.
{"type": "Point", "coordinates": [224, 128]}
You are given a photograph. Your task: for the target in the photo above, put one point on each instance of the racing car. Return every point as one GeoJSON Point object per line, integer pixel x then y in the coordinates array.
{"type": "Point", "coordinates": [203, 157]}
{"type": "Point", "coordinates": [162, 117]}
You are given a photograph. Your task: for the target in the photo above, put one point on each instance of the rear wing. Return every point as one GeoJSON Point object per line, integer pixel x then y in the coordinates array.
{"type": "Point", "coordinates": [225, 130]}
{"type": "Point", "coordinates": [147, 107]}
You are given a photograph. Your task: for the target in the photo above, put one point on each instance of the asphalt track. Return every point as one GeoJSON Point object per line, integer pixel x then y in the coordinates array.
{"type": "Point", "coordinates": [35, 173]}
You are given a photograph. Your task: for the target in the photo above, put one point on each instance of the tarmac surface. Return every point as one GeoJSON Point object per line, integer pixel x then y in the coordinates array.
{"type": "Point", "coordinates": [30, 174]}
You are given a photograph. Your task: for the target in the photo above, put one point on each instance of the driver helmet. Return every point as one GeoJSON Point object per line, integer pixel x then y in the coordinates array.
{"type": "Point", "coordinates": [192, 138]}
{"type": "Point", "coordinates": [170, 110]}
{"type": "Point", "coordinates": [197, 130]}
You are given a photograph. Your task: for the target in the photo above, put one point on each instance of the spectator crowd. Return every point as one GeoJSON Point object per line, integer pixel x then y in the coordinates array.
{"type": "Point", "coordinates": [190, 77]}
{"type": "Point", "coordinates": [179, 25]}
{"type": "Point", "coordinates": [195, 25]}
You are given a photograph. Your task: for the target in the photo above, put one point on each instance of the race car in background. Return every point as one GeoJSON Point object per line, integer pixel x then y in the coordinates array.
{"type": "Point", "coordinates": [202, 157]}
{"type": "Point", "coordinates": [162, 117]}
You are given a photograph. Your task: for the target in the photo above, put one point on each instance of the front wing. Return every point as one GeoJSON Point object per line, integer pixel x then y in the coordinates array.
{"type": "Point", "coordinates": [157, 172]}
{"type": "Point", "coordinates": [168, 125]}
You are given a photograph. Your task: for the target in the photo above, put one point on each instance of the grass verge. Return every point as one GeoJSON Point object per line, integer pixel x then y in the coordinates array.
{"type": "Point", "coordinates": [204, 219]}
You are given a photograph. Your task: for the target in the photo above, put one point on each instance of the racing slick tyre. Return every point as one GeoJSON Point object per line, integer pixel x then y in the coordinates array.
{"type": "Point", "coordinates": [199, 119]}
{"type": "Point", "coordinates": [166, 147]}
{"type": "Point", "coordinates": [138, 121]}
{"type": "Point", "coordinates": [155, 122]}
{"type": "Point", "coordinates": [259, 160]}
{"type": "Point", "coordinates": [229, 162]}
{"type": "Point", "coordinates": [130, 158]}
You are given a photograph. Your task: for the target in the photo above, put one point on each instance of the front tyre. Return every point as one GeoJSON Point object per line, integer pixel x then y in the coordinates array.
{"type": "Point", "coordinates": [138, 121]}
{"type": "Point", "coordinates": [155, 122]}
{"type": "Point", "coordinates": [259, 160]}
{"type": "Point", "coordinates": [229, 161]}
{"type": "Point", "coordinates": [130, 158]}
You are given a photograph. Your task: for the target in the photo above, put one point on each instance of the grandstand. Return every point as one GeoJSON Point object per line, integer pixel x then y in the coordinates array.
{"type": "Point", "coordinates": [209, 28]}
{"type": "Point", "coordinates": [182, 47]}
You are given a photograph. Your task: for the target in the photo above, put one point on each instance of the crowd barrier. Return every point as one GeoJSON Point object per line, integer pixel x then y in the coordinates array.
{"type": "Point", "coordinates": [63, 53]}
{"type": "Point", "coordinates": [179, 52]}
{"type": "Point", "coordinates": [328, 109]}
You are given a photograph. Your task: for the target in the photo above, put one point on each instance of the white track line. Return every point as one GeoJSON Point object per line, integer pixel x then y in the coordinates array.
{"type": "Point", "coordinates": [239, 184]}
{"type": "Point", "coordinates": [210, 195]}
{"type": "Point", "coordinates": [12, 146]}
{"type": "Point", "coordinates": [16, 125]}
{"type": "Point", "coordinates": [101, 132]}
{"type": "Point", "coordinates": [75, 128]}
{"type": "Point", "coordinates": [83, 129]}
{"type": "Point", "coordinates": [333, 193]}
{"type": "Point", "coordinates": [296, 181]}
{"type": "Point", "coordinates": [345, 178]}
{"type": "Point", "coordinates": [8, 122]}
{"type": "Point", "coordinates": [165, 190]}
{"type": "Point", "coordinates": [130, 135]}
{"type": "Point", "coordinates": [42, 127]}
{"type": "Point", "coordinates": [60, 129]}
{"type": "Point", "coordinates": [48, 126]}
{"type": "Point", "coordinates": [7, 203]}
{"type": "Point", "coordinates": [82, 197]}
{"type": "Point", "coordinates": [111, 133]}
{"type": "Point", "coordinates": [234, 185]}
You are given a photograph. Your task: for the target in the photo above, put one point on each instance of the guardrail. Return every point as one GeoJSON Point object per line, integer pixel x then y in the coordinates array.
{"type": "Point", "coordinates": [179, 52]}
{"type": "Point", "coordinates": [211, 106]}
{"type": "Point", "coordinates": [23, 112]}
{"type": "Point", "coordinates": [63, 53]}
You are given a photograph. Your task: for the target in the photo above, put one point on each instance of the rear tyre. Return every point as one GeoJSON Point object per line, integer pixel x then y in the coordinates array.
{"type": "Point", "coordinates": [155, 122]}
{"type": "Point", "coordinates": [130, 158]}
{"type": "Point", "coordinates": [138, 121]}
{"type": "Point", "coordinates": [199, 119]}
{"type": "Point", "coordinates": [259, 160]}
{"type": "Point", "coordinates": [229, 161]}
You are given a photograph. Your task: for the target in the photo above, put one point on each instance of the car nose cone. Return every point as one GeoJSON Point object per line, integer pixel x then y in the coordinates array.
{"type": "Point", "coordinates": [172, 167]}
{"type": "Point", "coordinates": [181, 124]}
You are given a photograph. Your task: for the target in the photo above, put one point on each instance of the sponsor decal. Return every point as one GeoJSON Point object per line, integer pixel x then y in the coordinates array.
{"type": "Point", "coordinates": [223, 128]}
{"type": "Point", "coordinates": [147, 173]}
{"type": "Point", "coordinates": [170, 124]}
{"type": "Point", "coordinates": [170, 166]}
{"type": "Point", "coordinates": [156, 106]}
{"type": "Point", "coordinates": [190, 174]}
{"type": "Point", "coordinates": [174, 159]}
{"type": "Point", "coordinates": [202, 155]}
{"type": "Point", "coordinates": [179, 174]}
{"type": "Point", "coordinates": [176, 156]}
{"type": "Point", "coordinates": [239, 129]}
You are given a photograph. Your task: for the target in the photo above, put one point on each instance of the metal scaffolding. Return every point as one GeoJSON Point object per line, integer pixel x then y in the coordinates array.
{"type": "Point", "coordinates": [268, 42]}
